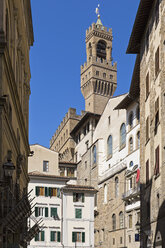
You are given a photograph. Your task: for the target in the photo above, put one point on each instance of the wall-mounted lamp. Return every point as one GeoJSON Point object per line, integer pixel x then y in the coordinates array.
{"type": "Point", "coordinates": [9, 167]}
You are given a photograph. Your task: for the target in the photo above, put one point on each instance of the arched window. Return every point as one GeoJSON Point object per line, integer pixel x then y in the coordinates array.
{"type": "Point", "coordinates": [130, 120]}
{"type": "Point", "coordinates": [105, 193]}
{"type": "Point", "coordinates": [101, 49]}
{"type": "Point", "coordinates": [131, 145]}
{"type": "Point", "coordinates": [138, 139]}
{"type": "Point", "coordinates": [109, 145]}
{"type": "Point", "coordinates": [122, 135]}
{"type": "Point", "coordinates": [113, 222]}
{"type": "Point", "coordinates": [90, 49]}
{"type": "Point", "coordinates": [121, 219]}
{"type": "Point", "coordinates": [116, 187]}
{"type": "Point", "coordinates": [94, 154]}
{"type": "Point", "coordinates": [138, 114]}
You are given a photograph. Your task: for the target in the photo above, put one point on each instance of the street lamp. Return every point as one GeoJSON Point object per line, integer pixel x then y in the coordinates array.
{"type": "Point", "coordinates": [137, 225]}
{"type": "Point", "coordinates": [9, 167]}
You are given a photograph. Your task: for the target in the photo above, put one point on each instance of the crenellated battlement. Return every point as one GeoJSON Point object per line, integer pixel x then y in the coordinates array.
{"type": "Point", "coordinates": [100, 62]}
{"type": "Point", "coordinates": [95, 27]}
{"type": "Point", "coordinates": [70, 114]}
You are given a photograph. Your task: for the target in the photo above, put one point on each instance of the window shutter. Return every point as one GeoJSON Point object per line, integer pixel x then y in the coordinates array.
{"type": "Point", "coordinates": [83, 198]}
{"type": "Point", "coordinates": [73, 237]}
{"type": "Point", "coordinates": [37, 191]}
{"type": "Point", "coordinates": [36, 211]}
{"type": "Point", "coordinates": [51, 236]}
{"type": "Point", "coordinates": [78, 213]}
{"type": "Point", "coordinates": [42, 236]}
{"type": "Point", "coordinates": [58, 236]}
{"type": "Point", "coordinates": [83, 237]}
{"type": "Point", "coordinates": [50, 192]}
{"type": "Point", "coordinates": [53, 212]}
{"type": "Point", "coordinates": [74, 197]}
{"type": "Point", "coordinates": [46, 212]}
{"type": "Point", "coordinates": [46, 191]}
{"type": "Point", "coordinates": [58, 192]}
{"type": "Point", "coordinates": [37, 237]}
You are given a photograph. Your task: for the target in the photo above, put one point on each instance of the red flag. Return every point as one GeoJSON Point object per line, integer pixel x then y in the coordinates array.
{"type": "Point", "coordinates": [137, 176]}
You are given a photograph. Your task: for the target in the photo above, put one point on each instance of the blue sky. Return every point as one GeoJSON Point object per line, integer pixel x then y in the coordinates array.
{"type": "Point", "coordinates": [59, 50]}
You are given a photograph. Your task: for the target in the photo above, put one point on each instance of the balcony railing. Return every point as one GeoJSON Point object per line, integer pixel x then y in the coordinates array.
{"type": "Point", "coordinates": [131, 193]}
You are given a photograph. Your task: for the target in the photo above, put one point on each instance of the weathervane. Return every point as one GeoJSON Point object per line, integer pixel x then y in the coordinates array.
{"type": "Point", "coordinates": [98, 11]}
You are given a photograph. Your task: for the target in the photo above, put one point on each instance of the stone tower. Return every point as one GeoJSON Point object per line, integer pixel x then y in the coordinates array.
{"type": "Point", "coordinates": [98, 74]}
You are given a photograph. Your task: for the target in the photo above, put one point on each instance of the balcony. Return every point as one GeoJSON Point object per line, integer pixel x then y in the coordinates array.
{"type": "Point", "coordinates": [132, 193]}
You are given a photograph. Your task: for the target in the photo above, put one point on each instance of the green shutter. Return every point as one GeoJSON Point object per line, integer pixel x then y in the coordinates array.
{"type": "Point", "coordinates": [42, 236]}
{"type": "Point", "coordinates": [37, 237]}
{"type": "Point", "coordinates": [58, 192]}
{"type": "Point", "coordinates": [53, 212]}
{"type": "Point", "coordinates": [51, 236]}
{"type": "Point", "coordinates": [36, 211]}
{"type": "Point", "coordinates": [73, 236]}
{"type": "Point", "coordinates": [83, 237]}
{"type": "Point", "coordinates": [46, 191]}
{"type": "Point", "coordinates": [50, 192]}
{"type": "Point", "coordinates": [83, 198]}
{"type": "Point", "coordinates": [46, 212]}
{"type": "Point", "coordinates": [74, 197]}
{"type": "Point", "coordinates": [58, 236]}
{"type": "Point", "coordinates": [78, 213]}
{"type": "Point", "coordinates": [37, 191]}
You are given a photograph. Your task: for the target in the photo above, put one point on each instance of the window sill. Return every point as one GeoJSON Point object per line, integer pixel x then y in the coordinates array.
{"type": "Point", "coordinates": [122, 147]}
{"type": "Point", "coordinates": [109, 157]}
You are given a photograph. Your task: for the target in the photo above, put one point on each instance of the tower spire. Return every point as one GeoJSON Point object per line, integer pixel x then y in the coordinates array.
{"type": "Point", "coordinates": [98, 15]}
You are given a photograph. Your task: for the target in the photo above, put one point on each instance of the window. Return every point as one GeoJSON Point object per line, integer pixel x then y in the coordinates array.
{"type": "Point", "coordinates": [41, 211]}
{"type": "Point", "coordinates": [138, 139]}
{"type": "Point", "coordinates": [138, 114]}
{"type": "Point", "coordinates": [62, 172]}
{"type": "Point", "coordinates": [95, 200]}
{"type": "Point", "coordinates": [130, 120]}
{"type": "Point", "coordinates": [156, 172]}
{"type": "Point", "coordinates": [147, 171]}
{"type": "Point", "coordinates": [97, 73]}
{"type": "Point", "coordinates": [130, 221]}
{"type": "Point", "coordinates": [101, 49]}
{"type": "Point", "coordinates": [148, 209]}
{"type": "Point", "coordinates": [78, 213]}
{"type": "Point", "coordinates": [105, 193]}
{"type": "Point", "coordinates": [40, 236]}
{"type": "Point", "coordinates": [53, 212]}
{"type": "Point", "coordinates": [55, 236]}
{"type": "Point", "coordinates": [147, 129]}
{"type": "Point", "coordinates": [122, 135]}
{"type": "Point", "coordinates": [130, 183]}
{"type": "Point", "coordinates": [113, 241]}
{"type": "Point", "coordinates": [156, 13]}
{"type": "Point", "coordinates": [78, 197]}
{"type": "Point", "coordinates": [130, 145]}
{"type": "Point", "coordinates": [157, 62]}
{"type": "Point", "coordinates": [111, 76]}
{"type": "Point", "coordinates": [121, 219]}
{"type": "Point", "coordinates": [78, 237]}
{"type": "Point", "coordinates": [109, 145]}
{"type": "Point", "coordinates": [113, 222]}
{"type": "Point", "coordinates": [109, 120]}
{"type": "Point", "coordinates": [116, 187]}
{"type": "Point", "coordinates": [104, 75]}
{"type": "Point", "coordinates": [40, 191]}
{"type": "Point", "coordinates": [121, 240]}
{"type": "Point", "coordinates": [156, 114]}
{"type": "Point", "coordinates": [94, 154]}
{"type": "Point", "coordinates": [70, 172]}
{"type": "Point", "coordinates": [147, 85]}
{"type": "Point", "coordinates": [45, 191]}
{"type": "Point", "coordinates": [129, 237]}
{"type": "Point", "coordinates": [46, 166]}
{"type": "Point", "coordinates": [54, 192]}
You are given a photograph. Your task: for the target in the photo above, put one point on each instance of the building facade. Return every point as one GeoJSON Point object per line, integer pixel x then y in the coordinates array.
{"type": "Point", "coordinates": [16, 38]}
{"type": "Point", "coordinates": [147, 40]}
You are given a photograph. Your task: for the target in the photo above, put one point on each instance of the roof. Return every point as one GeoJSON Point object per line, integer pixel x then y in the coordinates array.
{"type": "Point", "coordinates": [134, 90]}
{"type": "Point", "coordinates": [39, 174]}
{"type": "Point", "coordinates": [79, 188]}
{"type": "Point", "coordinates": [82, 121]}
{"type": "Point", "coordinates": [139, 26]}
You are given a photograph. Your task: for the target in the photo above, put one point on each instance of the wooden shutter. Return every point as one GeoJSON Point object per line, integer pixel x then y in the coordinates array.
{"type": "Point", "coordinates": [42, 235]}
{"type": "Point", "coordinates": [83, 237]}
{"type": "Point", "coordinates": [37, 237]}
{"type": "Point", "coordinates": [36, 211]}
{"type": "Point", "coordinates": [46, 212]}
{"type": "Point", "coordinates": [37, 191]}
{"type": "Point", "coordinates": [147, 171]}
{"type": "Point", "coordinates": [58, 236]}
{"type": "Point", "coordinates": [83, 198]}
{"type": "Point", "coordinates": [74, 197]}
{"type": "Point", "coordinates": [51, 236]}
{"type": "Point", "coordinates": [73, 236]}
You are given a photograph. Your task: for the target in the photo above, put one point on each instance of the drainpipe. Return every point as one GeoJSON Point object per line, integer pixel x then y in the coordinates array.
{"type": "Point", "coordinates": [62, 241]}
